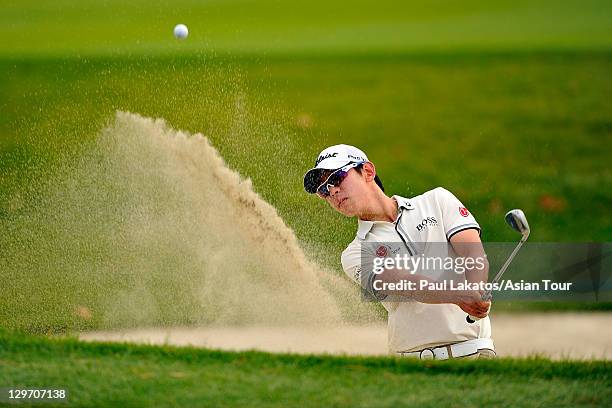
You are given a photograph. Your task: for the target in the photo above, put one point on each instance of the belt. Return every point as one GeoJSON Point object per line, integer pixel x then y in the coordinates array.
{"type": "Point", "coordinates": [465, 348]}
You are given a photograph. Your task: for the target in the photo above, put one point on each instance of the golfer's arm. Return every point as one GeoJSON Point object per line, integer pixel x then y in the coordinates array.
{"type": "Point", "coordinates": [467, 244]}
{"type": "Point", "coordinates": [420, 295]}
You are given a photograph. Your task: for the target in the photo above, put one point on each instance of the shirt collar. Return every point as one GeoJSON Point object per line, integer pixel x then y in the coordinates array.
{"type": "Point", "coordinates": [363, 226]}
{"type": "Point", "coordinates": [403, 202]}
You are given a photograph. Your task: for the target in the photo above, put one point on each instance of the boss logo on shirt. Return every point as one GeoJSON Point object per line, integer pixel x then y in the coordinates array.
{"type": "Point", "coordinates": [427, 222]}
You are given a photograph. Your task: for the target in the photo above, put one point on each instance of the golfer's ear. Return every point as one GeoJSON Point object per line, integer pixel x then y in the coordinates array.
{"type": "Point", "coordinates": [369, 171]}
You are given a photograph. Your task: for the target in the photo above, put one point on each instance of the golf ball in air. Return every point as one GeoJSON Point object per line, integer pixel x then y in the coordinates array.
{"type": "Point", "coordinates": [181, 31]}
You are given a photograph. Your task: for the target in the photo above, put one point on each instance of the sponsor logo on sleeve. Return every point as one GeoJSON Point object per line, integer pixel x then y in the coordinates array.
{"type": "Point", "coordinates": [382, 251]}
{"type": "Point", "coordinates": [464, 211]}
{"type": "Point", "coordinates": [357, 274]}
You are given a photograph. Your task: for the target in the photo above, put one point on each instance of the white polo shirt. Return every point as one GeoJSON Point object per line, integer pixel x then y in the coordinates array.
{"type": "Point", "coordinates": [434, 216]}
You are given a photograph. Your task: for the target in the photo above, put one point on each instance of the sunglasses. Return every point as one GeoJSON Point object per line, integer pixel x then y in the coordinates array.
{"type": "Point", "coordinates": [335, 179]}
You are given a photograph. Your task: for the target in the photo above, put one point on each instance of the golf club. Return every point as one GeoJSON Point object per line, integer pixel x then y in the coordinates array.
{"type": "Point", "coordinates": [517, 220]}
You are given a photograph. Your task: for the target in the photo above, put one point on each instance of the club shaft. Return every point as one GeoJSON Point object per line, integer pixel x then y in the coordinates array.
{"type": "Point", "coordinates": [487, 294]}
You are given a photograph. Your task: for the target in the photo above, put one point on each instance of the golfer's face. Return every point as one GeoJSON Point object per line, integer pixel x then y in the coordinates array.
{"type": "Point", "coordinates": [344, 198]}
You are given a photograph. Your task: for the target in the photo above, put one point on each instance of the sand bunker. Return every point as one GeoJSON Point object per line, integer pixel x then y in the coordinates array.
{"type": "Point", "coordinates": [555, 335]}
{"type": "Point", "coordinates": [148, 226]}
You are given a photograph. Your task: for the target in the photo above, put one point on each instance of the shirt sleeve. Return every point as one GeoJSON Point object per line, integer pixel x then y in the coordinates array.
{"type": "Point", "coordinates": [456, 217]}
{"type": "Point", "coordinates": [358, 265]}
{"type": "Point", "coordinates": [351, 262]}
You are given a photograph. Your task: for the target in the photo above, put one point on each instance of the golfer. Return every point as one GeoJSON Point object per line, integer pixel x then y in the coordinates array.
{"type": "Point", "coordinates": [423, 322]}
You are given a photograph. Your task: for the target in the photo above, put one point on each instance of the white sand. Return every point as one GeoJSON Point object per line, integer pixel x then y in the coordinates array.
{"type": "Point", "coordinates": [555, 335]}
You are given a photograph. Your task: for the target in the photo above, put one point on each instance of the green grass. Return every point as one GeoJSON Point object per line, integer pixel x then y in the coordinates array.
{"type": "Point", "coordinates": [500, 131]}
{"type": "Point", "coordinates": [167, 376]}
{"type": "Point", "coordinates": [272, 26]}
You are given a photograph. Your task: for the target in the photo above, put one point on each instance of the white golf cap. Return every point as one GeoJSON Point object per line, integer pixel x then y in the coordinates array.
{"type": "Point", "coordinates": [332, 158]}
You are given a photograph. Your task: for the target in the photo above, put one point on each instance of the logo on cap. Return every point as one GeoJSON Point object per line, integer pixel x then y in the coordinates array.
{"type": "Point", "coordinates": [325, 156]}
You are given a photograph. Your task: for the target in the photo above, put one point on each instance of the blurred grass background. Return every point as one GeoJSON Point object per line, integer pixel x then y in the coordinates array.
{"type": "Point", "coordinates": [506, 104]}
{"type": "Point", "coordinates": [113, 27]}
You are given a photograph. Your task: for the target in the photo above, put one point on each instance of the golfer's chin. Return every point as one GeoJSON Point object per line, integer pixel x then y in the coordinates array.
{"type": "Point", "coordinates": [346, 208]}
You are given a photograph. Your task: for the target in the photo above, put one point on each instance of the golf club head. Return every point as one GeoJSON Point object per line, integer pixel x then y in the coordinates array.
{"type": "Point", "coordinates": [517, 220]}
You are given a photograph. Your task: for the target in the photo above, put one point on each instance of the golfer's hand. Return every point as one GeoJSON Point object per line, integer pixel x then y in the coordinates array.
{"type": "Point", "coordinates": [477, 309]}
{"type": "Point", "coordinates": [473, 305]}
